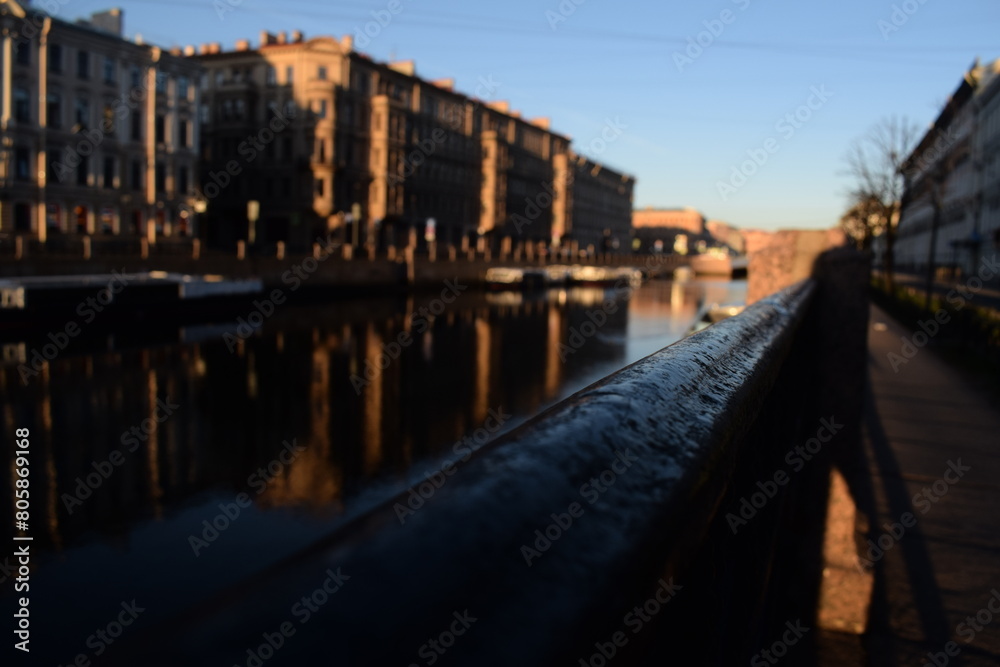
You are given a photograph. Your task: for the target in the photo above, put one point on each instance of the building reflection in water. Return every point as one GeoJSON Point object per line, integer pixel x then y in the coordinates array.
{"type": "Point", "coordinates": [293, 380]}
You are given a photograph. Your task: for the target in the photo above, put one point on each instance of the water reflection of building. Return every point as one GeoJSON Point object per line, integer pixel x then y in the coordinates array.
{"type": "Point", "coordinates": [293, 381]}
{"type": "Point", "coordinates": [313, 479]}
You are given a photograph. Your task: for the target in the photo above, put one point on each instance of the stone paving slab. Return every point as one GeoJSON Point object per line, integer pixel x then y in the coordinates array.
{"type": "Point", "coordinates": [946, 567]}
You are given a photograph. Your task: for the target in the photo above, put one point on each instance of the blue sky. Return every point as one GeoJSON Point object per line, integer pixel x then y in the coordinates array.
{"type": "Point", "coordinates": [687, 123]}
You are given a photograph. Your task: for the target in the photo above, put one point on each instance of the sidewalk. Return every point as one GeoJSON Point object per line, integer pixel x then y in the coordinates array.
{"type": "Point", "coordinates": [927, 490]}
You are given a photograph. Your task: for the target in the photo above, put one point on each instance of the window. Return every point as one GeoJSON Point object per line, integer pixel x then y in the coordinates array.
{"type": "Point", "coordinates": [135, 77]}
{"type": "Point", "coordinates": [182, 180]}
{"type": "Point", "coordinates": [136, 129]}
{"type": "Point", "coordinates": [109, 172]}
{"type": "Point", "coordinates": [22, 105]}
{"type": "Point", "coordinates": [206, 114]}
{"type": "Point", "coordinates": [320, 186]}
{"type": "Point", "coordinates": [55, 58]}
{"type": "Point", "coordinates": [272, 76]}
{"type": "Point", "coordinates": [227, 109]}
{"type": "Point", "coordinates": [108, 119]}
{"type": "Point", "coordinates": [320, 107]}
{"type": "Point", "coordinates": [361, 82]}
{"type": "Point", "coordinates": [321, 150]}
{"type": "Point", "coordinates": [55, 166]}
{"type": "Point", "coordinates": [161, 82]}
{"type": "Point", "coordinates": [22, 164]}
{"type": "Point", "coordinates": [183, 138]}
{"type": "Point", "coordinates": [83, 170]}
{"type": "Point", "coordinates": [82, 111]}
{"type": "Point", "coordinates": [183, 88]}
{"type": "Point", "coordinates": [136, 175]}
{"type": "Point", "coordinates": [290, 109]}
{"type": "Point", "coordinates": [220, 78]}
{"type": "Point", "coordinates": [241, 109]}
{"type": "Point", "coordinates": [160, 129]}
{"type": "Point", "coordinates": [289, 75]}
{"type": "Point", "coordinates": [53, 109]}
{"type": "Point", "coordinates": [161, 177]}
{"type": "Point", "coordinates": [110, 71]}
{"type": "Point", "coordinates": [83, 64]}
{"type": "Point", "coordinates": [321, 73]}
{"type": "Point", "coordinates": [22, 52]}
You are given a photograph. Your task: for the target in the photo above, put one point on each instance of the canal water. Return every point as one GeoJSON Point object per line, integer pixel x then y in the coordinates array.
{"type": "Point", "coordinates": [168, 468]}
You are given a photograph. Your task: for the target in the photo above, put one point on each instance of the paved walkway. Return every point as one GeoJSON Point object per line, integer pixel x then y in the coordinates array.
{"type": "Point", "coordinates": [926, 486]}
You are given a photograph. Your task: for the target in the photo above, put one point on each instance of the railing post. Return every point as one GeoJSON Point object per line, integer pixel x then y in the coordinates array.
{"type": "Point", "coordinates": [18, 247]}
{"type": "Point", "coordinates": [241, 250]}
{"type": "Point", "coordinates": [196, 249]}
{"type": "Point", "coordinates": [86, 247]}
{"type": "Point", "coordinates": [144, 248]}
{"type": "Point", "coordinates": [280, 254]}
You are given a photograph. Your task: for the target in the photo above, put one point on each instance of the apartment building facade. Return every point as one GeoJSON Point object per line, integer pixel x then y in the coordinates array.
{"type": "Point", "coordinates": [99, 134]}
{"type": "Point", "coordinates": [950, 197]}
{"type": "Point", "coordinates": [373, 154]}
{"type": "Point", "coordinates": [601, 207]}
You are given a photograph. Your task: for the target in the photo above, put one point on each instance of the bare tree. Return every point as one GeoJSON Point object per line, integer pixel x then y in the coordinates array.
{"type": "Point", "coordinates": [875, 162]}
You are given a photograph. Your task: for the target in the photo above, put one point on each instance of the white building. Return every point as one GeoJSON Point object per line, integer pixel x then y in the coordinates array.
{"type": "Point", "coordinates": [98, 134]}
{"type": "Point", "coordinates": [951, 180]}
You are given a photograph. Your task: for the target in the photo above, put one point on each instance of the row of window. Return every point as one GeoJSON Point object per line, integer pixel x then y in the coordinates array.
{"type": "Point", "coordinates": [68, 168]}
{"type": "Point", "coordinates": [82, 117]}
{"type": "Point", "coordinates": [109, 68]}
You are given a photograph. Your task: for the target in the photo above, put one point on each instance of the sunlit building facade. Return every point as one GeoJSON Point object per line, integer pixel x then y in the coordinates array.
{"type": "Point", "coordinates": [375, 155]}
{"type": "Point", "coordinates": [951, 180]}
{"type": "Point", "coordinates": [99, 133]}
